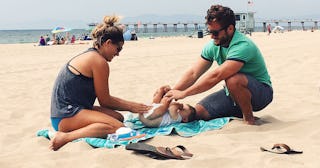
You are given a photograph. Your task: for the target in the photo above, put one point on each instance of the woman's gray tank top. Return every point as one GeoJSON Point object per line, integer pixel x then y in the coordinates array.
{"type": "Point", "coordinates": [72, 92]}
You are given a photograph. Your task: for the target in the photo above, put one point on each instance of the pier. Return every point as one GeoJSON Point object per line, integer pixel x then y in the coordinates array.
{"type": "Point", "coordinates": [164, 27]}
{"type": "Point", "coordinates": [193, 26]}
{"type": "Point", "coordinates": [289, 23]}
{"type": "Point", "coordinates": [244, 26]}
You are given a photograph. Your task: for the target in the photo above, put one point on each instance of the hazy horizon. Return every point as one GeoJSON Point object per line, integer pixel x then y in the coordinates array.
{"type": "Point", "coordinates": [36, 14]}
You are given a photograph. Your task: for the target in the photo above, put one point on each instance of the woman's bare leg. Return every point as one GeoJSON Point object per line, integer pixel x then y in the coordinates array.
{"type": "Point", "coordinates": [110, 112]}
{"type": "Point", "coordinates": [87, 123]}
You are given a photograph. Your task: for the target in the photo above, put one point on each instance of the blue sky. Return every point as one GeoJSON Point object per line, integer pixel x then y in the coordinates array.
{"type": "Point", "coordinates": [33, 14]}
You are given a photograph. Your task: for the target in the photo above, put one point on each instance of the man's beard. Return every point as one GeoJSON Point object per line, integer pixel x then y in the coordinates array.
{"type": "Point", "coordinates": [225, 41]}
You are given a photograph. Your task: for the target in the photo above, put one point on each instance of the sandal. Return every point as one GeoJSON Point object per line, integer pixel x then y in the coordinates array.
{"type": "Point", "coordinates": [177, 152]}
{"type": "Point", "coordinates": [281, 149]}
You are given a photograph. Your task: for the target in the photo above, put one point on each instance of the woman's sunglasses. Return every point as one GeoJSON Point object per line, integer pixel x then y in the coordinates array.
{"type": "Point", "coordinates": [119, 48]}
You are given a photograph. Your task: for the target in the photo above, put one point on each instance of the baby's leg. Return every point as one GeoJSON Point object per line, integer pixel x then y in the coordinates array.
{"type": "Point", "coordinates": [157, 96]}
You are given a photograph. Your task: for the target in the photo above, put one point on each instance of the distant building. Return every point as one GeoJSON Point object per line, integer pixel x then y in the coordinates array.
{"type": "Point", "coordinates": [245, 22]}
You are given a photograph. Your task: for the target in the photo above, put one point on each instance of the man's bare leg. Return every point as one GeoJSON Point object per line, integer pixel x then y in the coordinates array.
{"type": "Point", "coordinates": [237, 86]}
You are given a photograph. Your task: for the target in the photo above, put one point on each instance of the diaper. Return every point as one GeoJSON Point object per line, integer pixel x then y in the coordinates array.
{"type": "Point", "coordinates": [154, 106]}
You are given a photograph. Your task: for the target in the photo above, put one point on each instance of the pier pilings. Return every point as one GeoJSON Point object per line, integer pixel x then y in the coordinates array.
{"type": "Point", "coordinates": [195, 26]}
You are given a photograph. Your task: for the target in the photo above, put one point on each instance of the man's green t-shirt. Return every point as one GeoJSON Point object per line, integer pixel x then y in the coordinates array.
{"type": "Point", "coordinates": [242, 49]}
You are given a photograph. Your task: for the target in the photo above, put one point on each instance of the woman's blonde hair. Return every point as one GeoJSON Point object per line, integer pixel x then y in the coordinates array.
{"type": "Point", "coordinates": [107, 30]}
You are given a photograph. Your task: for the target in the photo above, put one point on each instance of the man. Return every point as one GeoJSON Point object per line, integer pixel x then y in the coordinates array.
{"type": "Point", "coordinates": [241, 66]}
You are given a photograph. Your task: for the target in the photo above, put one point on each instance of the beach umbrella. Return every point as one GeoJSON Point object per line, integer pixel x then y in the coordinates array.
{"type": "Point", "coordinates": [59, 29]}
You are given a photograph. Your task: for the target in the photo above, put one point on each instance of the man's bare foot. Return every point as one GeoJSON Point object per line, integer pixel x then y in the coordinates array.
{"type": "Point", "coordinates": [251, 122]}
{"type": "Point", "coordinates": [59, 139]}
{"type": "Point", "coordinates": [248, 118]}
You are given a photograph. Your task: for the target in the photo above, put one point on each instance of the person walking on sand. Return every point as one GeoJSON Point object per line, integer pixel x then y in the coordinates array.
{"type": "Point", "coordinates": [241, 67]}
{"type": "Point", "coordinates": [83, 79]}
{"type": "Point", "coordinates": [269, 29]}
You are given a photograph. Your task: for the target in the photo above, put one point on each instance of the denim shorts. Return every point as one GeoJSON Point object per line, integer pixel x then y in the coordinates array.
{"type": "Point", "coordinates": [219, 104]}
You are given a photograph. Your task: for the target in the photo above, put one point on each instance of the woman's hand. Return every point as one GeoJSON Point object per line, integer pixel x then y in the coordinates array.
{"type": "Point", "coordinates": [139, 108]}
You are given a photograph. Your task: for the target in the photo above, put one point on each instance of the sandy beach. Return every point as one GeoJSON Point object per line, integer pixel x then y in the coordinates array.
{"type": "Point", "coordinates": [27, 74]}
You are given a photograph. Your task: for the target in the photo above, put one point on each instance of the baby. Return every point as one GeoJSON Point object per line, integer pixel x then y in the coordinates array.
{"type": "Point", "coordinates": [166, 112]}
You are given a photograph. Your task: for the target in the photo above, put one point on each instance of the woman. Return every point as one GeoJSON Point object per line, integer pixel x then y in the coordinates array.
{"type": "Point", "coordinates": [83, 79]}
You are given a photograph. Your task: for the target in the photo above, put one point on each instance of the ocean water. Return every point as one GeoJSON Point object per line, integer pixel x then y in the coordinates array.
{"type": "Point", "coordinates": [33, 36]}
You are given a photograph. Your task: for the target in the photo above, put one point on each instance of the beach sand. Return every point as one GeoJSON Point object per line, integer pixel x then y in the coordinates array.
{"type": "Point", "coordinates": [27, 74]}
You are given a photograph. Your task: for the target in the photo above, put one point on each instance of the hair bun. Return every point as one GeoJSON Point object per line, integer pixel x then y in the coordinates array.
{"type": "Point", "coordinates": [110, 20]}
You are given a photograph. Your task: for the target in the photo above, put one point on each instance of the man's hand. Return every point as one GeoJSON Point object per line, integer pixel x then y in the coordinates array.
{"type": "Point", "coordinates": [175, 94]}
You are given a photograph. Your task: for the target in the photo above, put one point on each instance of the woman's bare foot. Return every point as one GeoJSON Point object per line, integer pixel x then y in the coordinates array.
{"type": "Point", "coordinates": [59, 139]}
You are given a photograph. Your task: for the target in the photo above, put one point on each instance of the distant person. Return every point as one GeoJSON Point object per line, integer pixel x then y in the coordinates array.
{"type": "Point", "coordinates": [134, 36]}
{"type": "Point", "coordinates": [54, 39]}
{"type": "Point", "coordinates": [57, 41]}
{"type": "Point", "coordinates": [167, 112]}
{"type": "Point", "coordinates": [67, 38]}
{"type": "Point", "coordinates": [73, 39]}
{"type": "Point", "coordinates": [86, 37]}
{"type": "Point", "coordinates": [42, 41]}
{"type": "Point", "coordinates": [269, 29]}
{"type": "Point", "coordinates": [62, 40]}
{"type": "Point", "coordinates": [47, 38]}
{"type": "Point", "coordinates": [83, 80]}
{"type": "Point", "coordinates": [240, 65]}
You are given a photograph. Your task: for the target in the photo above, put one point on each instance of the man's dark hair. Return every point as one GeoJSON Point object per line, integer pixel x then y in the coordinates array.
{"type": "Point", "coordinates": [220, 14]}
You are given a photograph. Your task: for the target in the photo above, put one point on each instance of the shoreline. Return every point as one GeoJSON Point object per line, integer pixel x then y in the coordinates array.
{"type": "Point", "coordinates": [20, 38]}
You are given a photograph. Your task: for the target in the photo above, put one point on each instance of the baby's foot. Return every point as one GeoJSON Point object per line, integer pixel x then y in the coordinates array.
{"type": "Point", "coordinates": [165, 88]}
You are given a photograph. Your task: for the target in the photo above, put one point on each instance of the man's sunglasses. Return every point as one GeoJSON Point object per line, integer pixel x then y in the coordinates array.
{"type": "Point", "coordinates": [216, 32]}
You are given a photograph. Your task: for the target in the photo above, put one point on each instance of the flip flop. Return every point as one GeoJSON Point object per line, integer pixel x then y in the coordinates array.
{"type": "Point", "coordinates": [281, 149]}
{"type": "Point", "coordinates": [177, 152]}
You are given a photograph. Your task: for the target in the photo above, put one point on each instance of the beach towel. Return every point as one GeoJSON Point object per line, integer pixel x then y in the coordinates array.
{"type": "Point", "coordinates": [182, 129]}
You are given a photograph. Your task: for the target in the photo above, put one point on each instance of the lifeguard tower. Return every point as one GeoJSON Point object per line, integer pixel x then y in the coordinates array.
{"type": "Point", "coordinates": [245, 22]}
